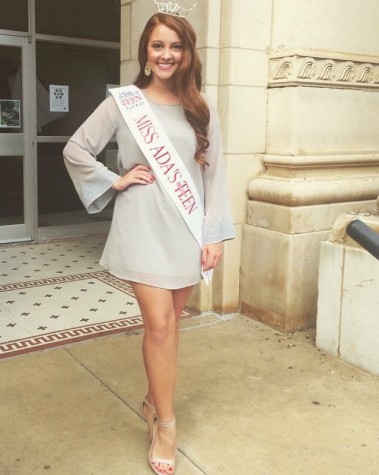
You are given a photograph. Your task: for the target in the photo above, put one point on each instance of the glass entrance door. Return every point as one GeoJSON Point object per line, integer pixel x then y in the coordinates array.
{"type": "Point", "coordinates": [18, 198]}
{"type": "Point", "coordinates": [46, 45]}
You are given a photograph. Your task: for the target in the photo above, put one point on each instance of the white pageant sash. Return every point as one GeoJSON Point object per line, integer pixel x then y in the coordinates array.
{"type": "Point", "coordinates": [163, 159]}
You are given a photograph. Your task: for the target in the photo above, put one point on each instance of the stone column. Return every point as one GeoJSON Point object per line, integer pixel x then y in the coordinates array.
{"type": "Point", "coordinates": [322, 151]}
{"type": "Point", "coordinates": [242, 104]}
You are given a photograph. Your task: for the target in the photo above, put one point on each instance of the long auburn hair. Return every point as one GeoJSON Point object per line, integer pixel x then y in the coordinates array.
{"type": "Point", "coordinates": [187, 77]}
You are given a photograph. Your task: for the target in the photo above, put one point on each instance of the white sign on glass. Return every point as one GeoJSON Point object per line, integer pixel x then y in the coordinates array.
{"type": "Point", "coordinates": [58, 98]}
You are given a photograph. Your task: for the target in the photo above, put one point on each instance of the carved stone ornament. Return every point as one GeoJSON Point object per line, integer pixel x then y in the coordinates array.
{"type": "Point", "coordinates": [298, 69]}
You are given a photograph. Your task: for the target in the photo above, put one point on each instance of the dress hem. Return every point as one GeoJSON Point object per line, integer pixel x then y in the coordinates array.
{"type": "Point", "coordinates": [149, 282]}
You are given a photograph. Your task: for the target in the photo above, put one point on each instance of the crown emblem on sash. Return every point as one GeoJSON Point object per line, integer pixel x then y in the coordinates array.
{"type": "Point", "coordinates": [171, 8]}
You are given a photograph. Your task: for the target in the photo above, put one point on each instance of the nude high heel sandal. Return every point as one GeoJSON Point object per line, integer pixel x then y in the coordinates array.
{"type": "Point", "coordinates": [150, 420]}
{"type": "Point", "coordinates": [153, 460]}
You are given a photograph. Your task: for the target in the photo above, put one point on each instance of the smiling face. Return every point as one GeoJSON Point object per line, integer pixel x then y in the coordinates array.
{"type": "Point", "coordinates": [164, 53]}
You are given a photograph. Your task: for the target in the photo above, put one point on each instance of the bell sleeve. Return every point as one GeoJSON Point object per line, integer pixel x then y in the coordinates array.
{"type": "Point", "coordinates": [218, 224]}
{"type": "Point", "coordinates": [92, 180]}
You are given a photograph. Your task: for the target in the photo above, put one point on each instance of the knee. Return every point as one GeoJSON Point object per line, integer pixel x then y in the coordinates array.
{"type": "Point", "coordinates": [161, 328]}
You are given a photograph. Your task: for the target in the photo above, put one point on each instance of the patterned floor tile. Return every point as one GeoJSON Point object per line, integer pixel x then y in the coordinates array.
{"type": "Point", "coordinates": [49, 258]}
{"type": "Point", "coordinates": [54, 292]}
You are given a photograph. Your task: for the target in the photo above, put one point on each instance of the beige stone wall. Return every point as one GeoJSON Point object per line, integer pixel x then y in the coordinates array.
{"type": "Point", "coordinates": [322, 151]}
{"type": "Point", "coordinates": [296, 85]}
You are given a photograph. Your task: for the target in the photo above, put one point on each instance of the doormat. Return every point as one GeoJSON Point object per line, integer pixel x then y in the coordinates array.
{"type": "Point", "coordinates": [54, 292]}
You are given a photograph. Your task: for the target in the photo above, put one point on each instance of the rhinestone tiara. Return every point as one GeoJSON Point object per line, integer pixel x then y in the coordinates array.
{"type": "Point", "coordinates": [171, 8]}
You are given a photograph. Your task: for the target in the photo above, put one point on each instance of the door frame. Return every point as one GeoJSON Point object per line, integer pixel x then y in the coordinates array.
{"type": "Point", "coordinates": [28, 141]}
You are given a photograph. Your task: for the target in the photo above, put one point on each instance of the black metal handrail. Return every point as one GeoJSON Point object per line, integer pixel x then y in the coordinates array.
{"type": "Point", "coordinates": [365, 236]}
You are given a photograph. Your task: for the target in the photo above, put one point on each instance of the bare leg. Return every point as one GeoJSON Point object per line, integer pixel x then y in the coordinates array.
{"type": "Point", "coordinates": [160, 308]}
{"type": "Point", "coordinates": [180, 297]}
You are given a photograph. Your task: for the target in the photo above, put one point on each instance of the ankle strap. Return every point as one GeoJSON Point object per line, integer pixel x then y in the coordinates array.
{"type": "Point", "coordinates": [148, 404]}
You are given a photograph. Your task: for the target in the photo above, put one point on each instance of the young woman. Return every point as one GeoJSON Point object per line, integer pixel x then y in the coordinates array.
{"type": "Point", "coordinates": [150, 245]}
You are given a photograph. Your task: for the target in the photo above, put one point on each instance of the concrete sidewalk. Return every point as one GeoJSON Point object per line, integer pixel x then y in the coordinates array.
{"type": "Point", "coordinates": [250, 400]}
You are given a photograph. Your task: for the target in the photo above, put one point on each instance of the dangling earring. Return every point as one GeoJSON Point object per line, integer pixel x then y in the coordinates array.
{"type": "Point", "coordinates": [147, 70]}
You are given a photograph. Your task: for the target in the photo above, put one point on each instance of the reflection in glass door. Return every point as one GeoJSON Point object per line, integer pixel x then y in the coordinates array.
{"type": "Point", "coordinates": [17, 164]}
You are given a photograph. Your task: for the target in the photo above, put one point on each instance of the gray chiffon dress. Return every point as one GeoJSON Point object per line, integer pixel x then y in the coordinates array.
{"type": "Point", "coordinates": [149, 242]}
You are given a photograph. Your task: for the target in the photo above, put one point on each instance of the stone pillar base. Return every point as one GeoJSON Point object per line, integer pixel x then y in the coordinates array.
{"type": "Point", "coordinates": [281, 270]}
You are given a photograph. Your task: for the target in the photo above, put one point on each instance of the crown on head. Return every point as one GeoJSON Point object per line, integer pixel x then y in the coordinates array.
{"type": "Point", "coordinates": [174, 9]}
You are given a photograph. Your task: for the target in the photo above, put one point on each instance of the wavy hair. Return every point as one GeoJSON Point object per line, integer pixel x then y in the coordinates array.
{"type": "Point", "coordinates": [187, 77]}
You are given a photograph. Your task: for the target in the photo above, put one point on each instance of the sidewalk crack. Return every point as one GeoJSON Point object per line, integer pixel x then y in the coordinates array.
{"type": "Point", "coordinates": [94, 375]}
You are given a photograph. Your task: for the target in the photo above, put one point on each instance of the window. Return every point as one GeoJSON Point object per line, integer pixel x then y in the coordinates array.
{"type": "Point", "coordinates": [14, 15]}
{"type": "Point", "coordinates": [91, 19]}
